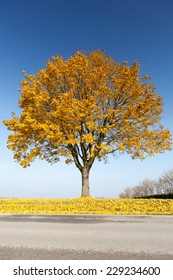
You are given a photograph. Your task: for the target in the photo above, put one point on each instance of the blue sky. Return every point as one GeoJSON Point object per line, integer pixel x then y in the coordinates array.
{"type": "Point", "coordinates": [33, 31]}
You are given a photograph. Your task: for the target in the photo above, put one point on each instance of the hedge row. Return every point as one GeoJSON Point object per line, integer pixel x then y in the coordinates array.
{"type": "Point", "coordinates": [159, 196]}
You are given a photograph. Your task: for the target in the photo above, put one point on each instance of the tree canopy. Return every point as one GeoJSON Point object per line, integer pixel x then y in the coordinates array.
{"type": "Point", "coordinates": [84, 108]}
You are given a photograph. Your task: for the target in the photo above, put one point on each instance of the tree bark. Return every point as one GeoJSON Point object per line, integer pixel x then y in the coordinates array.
{"type": "Point", "coordinates": [85, 181]}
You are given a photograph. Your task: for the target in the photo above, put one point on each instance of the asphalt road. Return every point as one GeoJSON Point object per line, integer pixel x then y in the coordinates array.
{"type": "Point", "coordinates": [83, 237]}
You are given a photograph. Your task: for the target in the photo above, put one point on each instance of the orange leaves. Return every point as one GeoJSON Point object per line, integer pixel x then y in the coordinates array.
{"type": "Point", "coordinates": [87, 138]}
{"type": "Point", "coordinates": [121, 147]}
{"type": "Point", "coordinates": [86, 107]}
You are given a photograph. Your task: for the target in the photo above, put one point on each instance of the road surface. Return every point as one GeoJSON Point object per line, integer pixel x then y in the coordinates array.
{"type": "Point", "coordinates": [82, 237]}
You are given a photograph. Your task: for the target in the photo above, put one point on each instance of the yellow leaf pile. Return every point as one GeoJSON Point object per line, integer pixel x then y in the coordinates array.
{"type": "Point", "coordinates": [88, 205]}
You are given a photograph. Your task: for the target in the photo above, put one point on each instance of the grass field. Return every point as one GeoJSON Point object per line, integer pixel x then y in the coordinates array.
{"type": "Point", "coordinates": [87, 206]}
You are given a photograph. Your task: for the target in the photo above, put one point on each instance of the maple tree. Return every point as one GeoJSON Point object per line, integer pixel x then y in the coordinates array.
{"type": "Point", "coordinates": [85, 108]}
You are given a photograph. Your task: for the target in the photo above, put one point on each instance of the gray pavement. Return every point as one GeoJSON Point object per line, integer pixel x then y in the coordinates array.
{"type": "Point", "coordinates": [85, 237]}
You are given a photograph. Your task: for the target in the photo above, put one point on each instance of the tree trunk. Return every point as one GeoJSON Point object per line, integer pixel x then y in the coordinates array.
{"type": "Point", "coordinates": [85, 181]}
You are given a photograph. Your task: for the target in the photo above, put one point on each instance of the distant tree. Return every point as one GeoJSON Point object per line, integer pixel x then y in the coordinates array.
{"type": "Point", "coordinates": [165, 183]}
{"type": "Point", "coordinates": [127, 193]}
{"type": "Point", "coordinates": [137, 191]}
{"type": "Point", "coordinates": [85, 108]}
{"type": "Point", "coordinates": [148, 187]}
{"type": "Point", "coordinates": [145, 188]}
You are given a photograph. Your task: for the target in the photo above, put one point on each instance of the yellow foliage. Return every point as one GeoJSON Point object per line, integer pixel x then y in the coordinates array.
{"type": "Point", "coordinates": [103, 206]}
{"type": "Point", "coordinates": [121, 147]}
{"type": "Point", "coordinates": [87, 138]}
{"type": "Point", "coordinates": [87, 106]}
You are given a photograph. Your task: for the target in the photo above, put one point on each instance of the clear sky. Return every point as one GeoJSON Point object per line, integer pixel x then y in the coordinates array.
{"type": "Point", "coordinates": [33, 31]}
